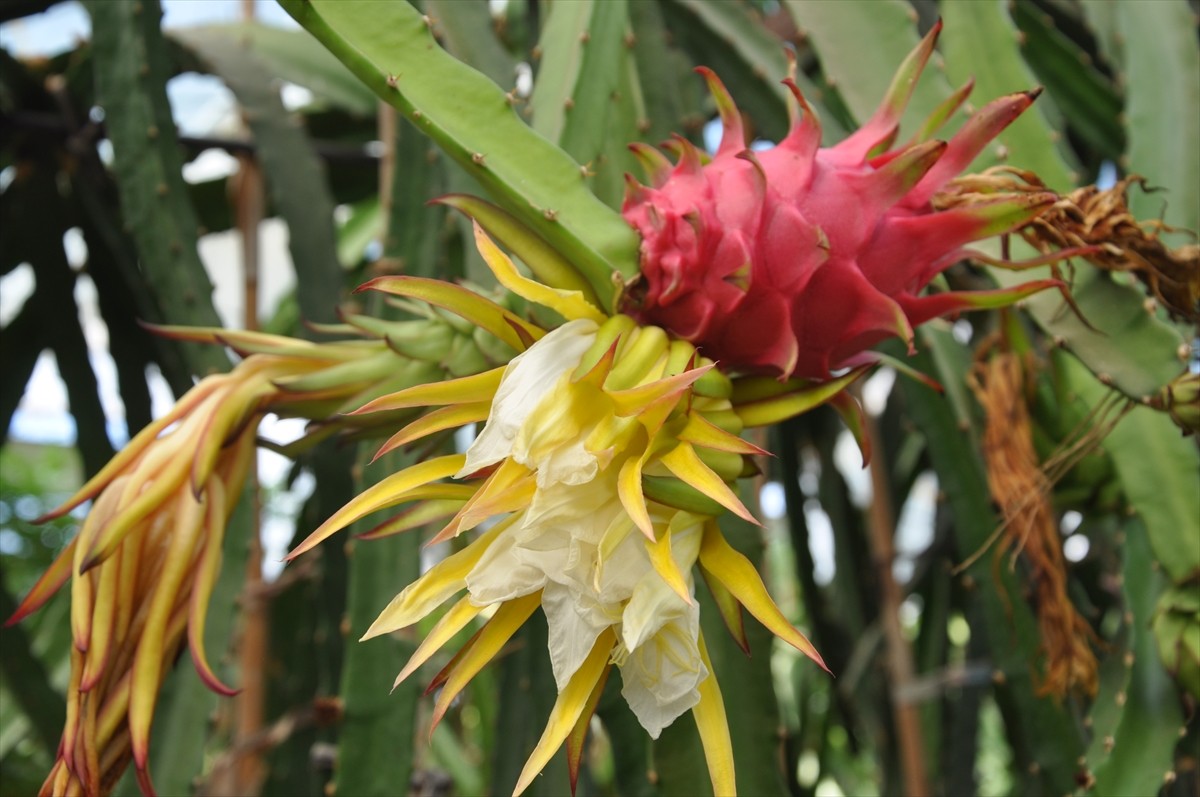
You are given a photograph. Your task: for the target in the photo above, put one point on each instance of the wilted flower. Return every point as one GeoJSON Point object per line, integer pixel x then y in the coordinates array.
{"type": "Point", "coordinates": [606, 455]}
{"type": "Point", "coordinates": [142, 569]}
{"type": "Point", "coordinates": [796, 260]}
{"type": "Point", "coordinates": [144, 564]}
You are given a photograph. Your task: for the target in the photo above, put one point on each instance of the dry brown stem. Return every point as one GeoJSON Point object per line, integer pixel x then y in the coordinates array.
{"type": "Point", "coordinates": [1022, 491]}
{"type": "Point", "coordinates": [1100, 219]}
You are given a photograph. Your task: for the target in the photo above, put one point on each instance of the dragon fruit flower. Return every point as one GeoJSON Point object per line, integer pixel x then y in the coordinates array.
{"type": "Point", "coordinates": [607, 454]}
{"type": "Point", "coordinates": [795, 261]}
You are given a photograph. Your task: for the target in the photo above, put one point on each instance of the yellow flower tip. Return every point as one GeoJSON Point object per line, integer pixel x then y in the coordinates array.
{"type": "Point", "coordinates": [635, 400]}
{"type": "Point", "coordinates": [598, 373]}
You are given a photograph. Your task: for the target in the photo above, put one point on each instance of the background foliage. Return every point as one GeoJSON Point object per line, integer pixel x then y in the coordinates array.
{"type": "Point", "coordinates": [938, 664]}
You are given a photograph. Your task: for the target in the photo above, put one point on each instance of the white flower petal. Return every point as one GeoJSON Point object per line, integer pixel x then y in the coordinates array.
{"type": "Point", "coordinates": [527, 379]}
{"type": "Point", "coordinates": [650, 713]}
{"type": "Point", "coordinates": [573, 630]}
{"type": "Point", "coordinates": [570, 465]}
{"type": "Point", "coordinates": [660, 679]}
{"type": "Point", "coordinates": [501, 575]}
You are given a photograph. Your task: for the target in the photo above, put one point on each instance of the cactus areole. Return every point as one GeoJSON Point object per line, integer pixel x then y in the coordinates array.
{"type": "Point", "coordinates": [796, 260]}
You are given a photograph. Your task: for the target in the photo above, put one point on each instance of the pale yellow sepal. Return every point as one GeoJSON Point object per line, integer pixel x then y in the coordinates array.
{"type": "Point", "coordinates": [439, 420]}
{"type": "Point", "coordinates": [758, 402]}
{"type": "Point", "coordinates": [571, 305]}
{"type": "Point", "coordinates": [568, 708]}
{"type": "Point", "coordinates": [464, 390]}
{"type": "Point", "coordinates": [739, 576]}
{"type": "Point", "coordinates": [188, 518]}
{"type": "Point", "coordinates": [451, 623]}
{"type": "Point", "coordinates": [425, 511]}
{"type": "Point", "coordinates": [666, 566]}
{"type": "Point", "coordinates": [134, 449]}
{"type": "Point", "coordinates": [492, 637]}
{"type": "Point", "coordinates": [479, 310]}
{"type": "Point", "coordinates": [207, 570]}
{"type": "Point", "coordinates": [687, 465]}
{"type": "Point", "coordinates": [389, 492]}
{"type": "Point", "coordinates": [428, 592]}
{"type": "Point", "coordinates": [637, 399]}
{"type": "Point", "coordinates": [702, 432]}
{"type": "Point", "coordinates": [710, 718]}
{"type": "Point", "coordinates": [629, 490]}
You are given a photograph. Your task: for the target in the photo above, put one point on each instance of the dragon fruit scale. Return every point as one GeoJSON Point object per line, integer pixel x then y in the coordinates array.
{"type": "Point", "coordinates": [796, 260]}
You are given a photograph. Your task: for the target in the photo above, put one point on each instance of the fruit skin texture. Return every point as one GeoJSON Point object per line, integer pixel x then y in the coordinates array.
{"type": "Point", "coordinates": [796, 260]}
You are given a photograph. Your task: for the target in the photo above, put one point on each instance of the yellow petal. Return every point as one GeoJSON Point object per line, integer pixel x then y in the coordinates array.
{"type": "Point", "coordinates": [636, 399]}
{"type": "Point", "coordinates": [112, 714]}
{"type": "Point", "coordinates": [440, 583]}
{"type": "Point", "coordinates": [420, 514]}
{"type": "Point", "coordinates": [570, 304]}
{"type": "Point", "coordinates": [666, 566]}
{"type": "Point", "coordinates": [465, 390]}
{"type": "Point", "coordinates": [568, 708]}
{"type": "Point", "coordinates": [47, 584]}
{"type": "Point", "coordinates": [578, 736]}
{"type": "Point", "coordinates": [207, 570]}
{"type": "Point", "coordinates": [738, 575]}
{"type": "Point", "coordinates": [230, 337]}
{"type": "Point", "coordinates": [687, 465]}
{"type": "Point", "coordinates": [127, 602]}
{"type": "Point", "coordinates": [152, 647]}
{"type": "Point", "coordinates": [629, 490]}
{"type": "Point", "coordinates": [234, 409]}
{"type": "Point", "coordinates": [451, 623]}
{"type": "Point", "coordinates": [162, 471]}
{"type": "Point", "coordinates": [439, 420]}
{"type": "Point", "coordinates": [107, 581]}
{"type": "Point", "coordinates": [510, 487]}
{"type": "Point", "coordinates": [504, 623]}
{"type": "Point", "coordinates": [709, 714]}
{"type": "Point", "coordinates": [389, 492]}
{"type": "Point", "coordinates": [141, 441]}
{"type": "Point", "coordinates": [479, 310]}
{"type": "Point", "coordinates": [729, 609]}
{"type": "Point", "coordinates": [83, 585]}
{"type": "Point", "coordinates": [595, 376]}
{"type": "Point", "coordinates": [620, 527]}
{"type": "Point", "coordinates": [546, 263]}
{"type": "Point", "coordinates": [701, 432]}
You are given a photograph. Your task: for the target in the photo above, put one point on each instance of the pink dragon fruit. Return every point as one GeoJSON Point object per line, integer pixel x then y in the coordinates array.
{"type": "Point", "coordinates": [798, 259]}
